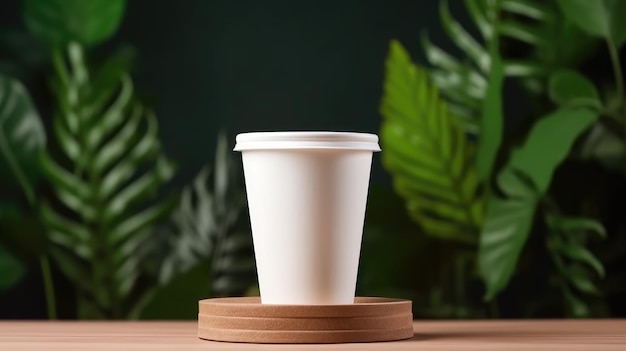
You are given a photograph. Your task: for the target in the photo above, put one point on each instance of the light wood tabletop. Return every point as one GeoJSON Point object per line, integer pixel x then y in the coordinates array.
{"type": "Point", "coordinates": [440, 335]}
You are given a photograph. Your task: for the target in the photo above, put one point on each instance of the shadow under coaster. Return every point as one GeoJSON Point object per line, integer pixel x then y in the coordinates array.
{"type": "Point", "coordinates": [245, 319]}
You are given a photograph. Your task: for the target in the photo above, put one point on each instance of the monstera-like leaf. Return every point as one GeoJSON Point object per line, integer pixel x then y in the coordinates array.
{"type": "Point", "coordinates": [602, 18]}
{"type": "Point", "coordinates": [105, 176]}
{"type": "Point", "coordinates": [426, 151]}
{"type": "Point", "coordinates": [524, 181]}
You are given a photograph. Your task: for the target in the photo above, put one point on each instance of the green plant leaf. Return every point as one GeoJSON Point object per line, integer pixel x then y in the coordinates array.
{"type": "Point", "coordinates": [523, 181]}
{"type": "Point", "coordinates": [59, 22]}
{"type": "Point", "coordinates": [602, 18]}
{"type": "Point", "coordinates": [531, 9]}
{"type": "Point", "coordinates": [22, 136]}
{"type": "Point", "coordinates": [491, 122]}
{"type": "Point", "coordinates": [604, 145]}
{"type": "Point", "coordinates": [11, 269]}
{"type": "Point", "coordinates": [581, 254]}
{"type": "Point", "coordinates": [463, 39]}
{"type": "Point", "coordinates": [548, 144]}
{"type": "Point", "coordinates": [463, 82]}
{"type": "Point", "coordinates": [426, 151]}
{"type": "Point", "coordinates": [581, 281]}
{"type": "Point", "coordinates": [106, 184]}
{"type": "Point", "coordinates": [575, 263]}
{"type": "Point", "coordinates": [570, 88]}
{"type": "Point", "coordinates": [576, 224]}
{"type": "Point", "coordinates": [206, 225]}
{"type": "Point", "coordinates": [506, 230]}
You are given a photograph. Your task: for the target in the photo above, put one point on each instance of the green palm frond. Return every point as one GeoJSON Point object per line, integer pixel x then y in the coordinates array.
{"type": "Point", "coordinates": [537, 24]}
{"type": "Point", "coordinates": [207, 226]}
{"type": "Point", "coordinates": [105, 177]}
{"type": "Point", "coordinates": [426, 151]}
{"type": "Point", "coordinates": [577, 267]}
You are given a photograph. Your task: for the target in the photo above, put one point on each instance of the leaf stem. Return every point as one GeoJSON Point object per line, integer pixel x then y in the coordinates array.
{"type": "Point", "coordinates": [48, 286]}
{"type": "Point", "coordinates": [617, 71]}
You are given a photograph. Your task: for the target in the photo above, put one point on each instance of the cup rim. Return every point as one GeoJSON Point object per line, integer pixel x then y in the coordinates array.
{"type": "Point", "coordinates": [306, 140]}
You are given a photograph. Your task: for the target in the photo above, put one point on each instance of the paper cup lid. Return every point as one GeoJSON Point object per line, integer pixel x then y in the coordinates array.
{"type": "Point", "coordinates": [307, 140]}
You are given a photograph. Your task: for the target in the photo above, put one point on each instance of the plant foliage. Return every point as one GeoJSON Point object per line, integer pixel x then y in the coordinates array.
{"type": "Point", "coordinates": [427, 153]}
{"type": "Point", "coordinates": [556, 36]}
{"type": "Point", "coordinates": [602, 18]}
{"type": "Point", "coordinates": [576, 265]}
{"type": "Point", "coordinates": [107, 172]}
{"type": "Point", "coordinates": [22, 136]}
{"type": "Point", "coordinates": [206, 229]}
{"type": "Point", "coordinates": [524, 181]}
{"type": "Point", "coordinates": [465, 83]}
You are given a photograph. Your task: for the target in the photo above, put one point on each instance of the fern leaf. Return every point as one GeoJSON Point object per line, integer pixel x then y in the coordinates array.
{"type": "Point", "coordinates": [426, 151]}
{"type": "Point", "coordinates": [206, 226]}
{"type": "Point", "coordinates": [574, 262]}
{"type": "Point", "coordinates": [465, 41]}
{"type": "Point", "coordinates": [105, 179]}
{"type": "Point", "coordinates": [538, 25]}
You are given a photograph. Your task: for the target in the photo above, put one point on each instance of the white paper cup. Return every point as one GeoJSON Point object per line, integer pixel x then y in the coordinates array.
{"type": "Point", "coordinates": [307, 193]}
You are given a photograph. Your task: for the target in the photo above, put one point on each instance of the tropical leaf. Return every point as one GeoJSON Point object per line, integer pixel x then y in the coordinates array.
{"type": "Point", "coordinates": [105, 177]}
{"type": "Point", "coordinates": [506, 230]}
{"type": "Point", "coordinates": [426, 151]}
{"type": "Point", "coordinates": [524, 181]}
{"type": "Point", "coordinates": [462, 83]}
{"type": "Point", "coordinates": [22, 136]}
{"type": "Point", "coordinates": [206, 227]}
{"type": "Point", "coordinates": [60, 22]}
{"type": "Point", "coordinates": [549, 142]}
{"type": "Point", "coordinates": [570, 88]}
{"type": "Point", "coordinates": [602, 18]}
{"type": "Point", "coordinates": [552, 41]}
{"type": "Point", "coordinates": [575, 263]}
{"type": "Point", "coordinates": [604, 143]}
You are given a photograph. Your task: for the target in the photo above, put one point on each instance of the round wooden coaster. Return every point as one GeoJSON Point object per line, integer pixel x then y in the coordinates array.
{"type": "Point", "coordinates": [245, 319]}
{"type": "Point", "coordinates": [252, 307]}
{"type": "Point", "coordinates": [305, 337]}
{"type": "Point", "coordinates": [397, 321]}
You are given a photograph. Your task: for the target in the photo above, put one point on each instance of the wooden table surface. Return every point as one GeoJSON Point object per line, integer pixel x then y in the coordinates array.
{"type": "Point", "coordinates": [445, 335]}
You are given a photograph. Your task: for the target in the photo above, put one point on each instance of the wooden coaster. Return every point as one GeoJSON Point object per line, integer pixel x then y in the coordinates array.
{"type": "Point", "coordinates": [245, 319]}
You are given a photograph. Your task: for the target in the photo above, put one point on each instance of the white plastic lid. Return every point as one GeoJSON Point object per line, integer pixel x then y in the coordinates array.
{"type": "Point", "coordinates": [306, 140]}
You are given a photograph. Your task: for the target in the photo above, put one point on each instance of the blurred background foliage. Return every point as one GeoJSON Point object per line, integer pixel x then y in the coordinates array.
{"type": "Point", "coordinates": [502, 124]}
